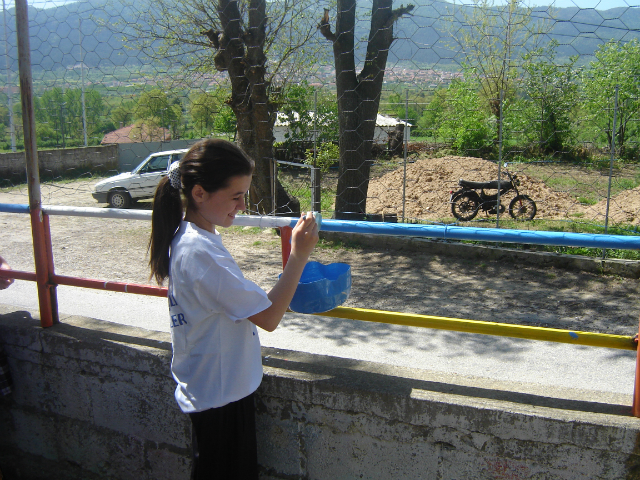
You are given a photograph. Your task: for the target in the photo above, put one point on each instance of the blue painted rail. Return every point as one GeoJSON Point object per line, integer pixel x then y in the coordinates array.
{"type": "Point", "coordinates": [443, 232]}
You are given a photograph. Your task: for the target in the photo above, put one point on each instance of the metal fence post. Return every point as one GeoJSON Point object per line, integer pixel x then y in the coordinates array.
{"type": "Point", "coordinates": [500, 124]}
{"type": "Point", "coordinates": [613, 154]}
{"type": "Point", "coordinates": [46, 292]}
{"type": "Point", "coordinates": [274, 186]}
{"type": "Point", "coordinates": [285, 243]}
{"type": "Point", "coordinates": [316, 193]}
{"type": "Point", "coordinates": [316, 204]}
{"type": "Point", "coordinates": [404, 163]}
{"type": "Point", "coordinates": [9, 82]}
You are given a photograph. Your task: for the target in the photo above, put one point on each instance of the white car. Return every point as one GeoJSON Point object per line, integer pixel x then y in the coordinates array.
{"type": "Point", "coordinates": [119, 191]}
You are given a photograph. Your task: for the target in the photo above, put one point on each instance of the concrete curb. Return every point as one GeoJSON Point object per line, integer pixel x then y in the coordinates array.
{"type": "Point", "coordinates": [622, 268]}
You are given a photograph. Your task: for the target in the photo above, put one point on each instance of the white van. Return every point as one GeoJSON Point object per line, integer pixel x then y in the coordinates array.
{"type": "Point", "coordinates": [119, 191]}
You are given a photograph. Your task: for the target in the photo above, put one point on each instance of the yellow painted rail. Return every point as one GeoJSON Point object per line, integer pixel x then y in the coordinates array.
{"type": "Point", "coordinates": [485, 328]}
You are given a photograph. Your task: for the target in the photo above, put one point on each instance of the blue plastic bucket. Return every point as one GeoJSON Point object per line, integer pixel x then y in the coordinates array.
{"type": "Point", "coordinates": [322, 287]}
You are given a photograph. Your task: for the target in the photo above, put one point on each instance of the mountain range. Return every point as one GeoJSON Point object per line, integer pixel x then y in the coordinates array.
{"type": "Point", "coordinates": [422, 38]}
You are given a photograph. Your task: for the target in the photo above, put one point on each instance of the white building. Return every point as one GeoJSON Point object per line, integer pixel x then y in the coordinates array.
{"type": "Point", "coordinates": [384, 126]}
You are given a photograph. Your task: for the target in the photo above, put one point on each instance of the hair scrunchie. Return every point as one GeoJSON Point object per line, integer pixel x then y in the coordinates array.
{"type": "Point", "coordinates": [174, 175]}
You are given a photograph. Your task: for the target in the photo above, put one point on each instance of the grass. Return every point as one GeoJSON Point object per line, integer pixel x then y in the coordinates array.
{"type": "Point", "coordinates": [588, 183]}
{"type": "Point", "coordinates": [245, 230]}
{"type": "Point", "coordinates": [349, 246]}
{"type": "Point", "coordinates": [67, 177]}
{"type": "Point", "coordinates": [298, 184]}
{"type": "Point", "coordinates": [569, 227]}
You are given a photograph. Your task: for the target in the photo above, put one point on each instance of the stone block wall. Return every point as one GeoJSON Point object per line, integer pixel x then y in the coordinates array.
{"type": "Point", "coordinates": [58, 162]}
{"type": "Point", "coordinates": [94, 400]}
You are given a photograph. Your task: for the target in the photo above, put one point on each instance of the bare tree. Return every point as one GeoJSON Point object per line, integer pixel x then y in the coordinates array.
{"type": "Point", "coordinates": [492, 37]}
{"type": "Point", "coordinates": [358, 95]}
{"type": "Point", "coordinates": [258, 44]}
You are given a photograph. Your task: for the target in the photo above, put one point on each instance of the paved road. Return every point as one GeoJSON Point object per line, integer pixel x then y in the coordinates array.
{"type": "Point", "coordinates": [497, 358]}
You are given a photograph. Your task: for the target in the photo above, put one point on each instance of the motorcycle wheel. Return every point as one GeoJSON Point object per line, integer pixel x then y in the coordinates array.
{"type": "Point", "coordinates": [465, 207]}
{"type": "Point", "coordinates": [522, 208]}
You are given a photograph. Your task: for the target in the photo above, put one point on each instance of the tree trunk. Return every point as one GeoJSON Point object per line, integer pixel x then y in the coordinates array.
{"type": "Point", "coordinates": [396, 141]}
{"type": "Point", "coordinates": [358, 97]}
{"type": "Point", "coordinates": [240, 52]}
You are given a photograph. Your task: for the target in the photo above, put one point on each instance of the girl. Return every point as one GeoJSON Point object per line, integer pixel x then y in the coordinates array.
{"type": "Point", "coordinates": [214, 310]}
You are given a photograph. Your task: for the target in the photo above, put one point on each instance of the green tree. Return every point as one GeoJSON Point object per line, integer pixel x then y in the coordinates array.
{"type": "Point", "coordinates": [225, 120]}
{"type": "Point", "coordinates": [296, 110]}
{"type": "Point", "coordinates": [59, 116]}
{"type": "Point", "coordinates": [258, 43]}
{"type": "Point", "coordinates": [398, 108]}
{"type": "Point", "coordinates": [46, 135]}
{"type": "Point", "coordinates": [616, 65]}
{"type": "Point", "coordinates": [156, 109]}
{"type": "Point", "coordinates": [551, 91]}
{"type": "Point", "coordinates": [433, 115]}
{"type": "Point", "coordinates": [490, 38]}
{"type": "Point", "coordinates": [326, 156]}
{"type": "Point", "coordinates": [94, 108]}
{"type": "Point", "coordinates": [4, 124]}
{"type": "Point", "coordinates": [123, 115]}
{"type": "Point", "coordinates": [209, 111]}
{"type": "Point", "coordinates": [4, 114]}
{"type": "Point", "coordinates": [203, 108]}
{"type": "Point", "coordinates": [303, 113]}
{"type": "Point", "coordinates": [466, 124]}
{"type": "Point", "coordinates": [50, 111]}
{"type": "Point", "coordinates": [73, 117]}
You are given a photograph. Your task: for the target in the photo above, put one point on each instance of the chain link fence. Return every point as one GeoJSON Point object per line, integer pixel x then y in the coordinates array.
{"type": "Point", "coordinates": [477, 91]}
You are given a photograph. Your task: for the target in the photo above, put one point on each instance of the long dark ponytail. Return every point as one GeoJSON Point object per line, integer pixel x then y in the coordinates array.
{"type": "Point", "coordinates": [209, 163]}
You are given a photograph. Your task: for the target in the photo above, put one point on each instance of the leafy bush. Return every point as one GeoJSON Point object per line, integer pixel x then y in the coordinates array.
{"type": "Point", "coordinates": [466, 123]}
{"type": "Point", "coordinates": [327, 156]}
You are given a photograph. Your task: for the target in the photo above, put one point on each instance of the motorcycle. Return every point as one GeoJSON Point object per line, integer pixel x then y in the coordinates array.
{"type": "Point", "coordinates": [467, 202]}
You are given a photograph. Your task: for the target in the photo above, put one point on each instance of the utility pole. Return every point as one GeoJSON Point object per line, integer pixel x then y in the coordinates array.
{"type": "Point", "coordinates": [12, 127]}
{"type": "Point", "coordinates": [84, 109]}
{"type": "Point", "coordinates": [64, 144]}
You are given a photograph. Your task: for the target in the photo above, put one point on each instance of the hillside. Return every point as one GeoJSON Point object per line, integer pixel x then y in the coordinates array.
{"type": "Point", "coordinates": [421, 38]}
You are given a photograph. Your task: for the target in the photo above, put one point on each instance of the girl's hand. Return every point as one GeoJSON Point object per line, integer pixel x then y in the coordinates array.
{"type": "Point", "coordinates": [5, 282]}
{"type": "Point", "coordinates": [304, 236]}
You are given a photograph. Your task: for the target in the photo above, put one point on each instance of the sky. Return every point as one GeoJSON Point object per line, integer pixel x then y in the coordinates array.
{"type": "Point", "coordinates": [598, 4]}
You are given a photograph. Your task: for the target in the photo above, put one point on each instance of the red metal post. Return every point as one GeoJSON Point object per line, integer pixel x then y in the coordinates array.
{"type": "Point", "coordinates": [285, 241]}
{"type": "Point", "coordinates": [51, 284]}
{"type": "Point", "coordinates": [47, 306]}
{"type": "Point", "coordinates": [111, 286]}
{"type": "Point", "coordinates": [18, 275]}
{"type": "Point", "coordinates": [47, 314]}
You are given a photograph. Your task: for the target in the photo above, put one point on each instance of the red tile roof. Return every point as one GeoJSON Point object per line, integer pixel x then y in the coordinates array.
{"type": "Point", "coordinates": [137, 133]}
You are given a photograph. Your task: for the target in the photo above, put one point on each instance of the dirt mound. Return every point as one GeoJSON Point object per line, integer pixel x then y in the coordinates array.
{"type": "Point", "coordinates": [623, 208]}
{"type": "Point", "coordinates": [431, 180]}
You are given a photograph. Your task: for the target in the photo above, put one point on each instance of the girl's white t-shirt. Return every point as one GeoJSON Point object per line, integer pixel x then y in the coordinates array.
{"type": "Point", "coordinates": [216, 350]}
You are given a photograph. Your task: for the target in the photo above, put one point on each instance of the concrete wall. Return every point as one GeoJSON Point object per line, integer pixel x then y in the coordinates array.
{"type": "Point", "coordinates": [93, 400]}
{"type": "Point", "coordinates": [56, 162]}
{"type": "Point", "coordinates": [131, 154]}
{"type": "Point", "coordinates": [104, 158]}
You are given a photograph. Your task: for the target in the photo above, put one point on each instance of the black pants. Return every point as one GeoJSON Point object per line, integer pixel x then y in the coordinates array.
{"type": "Point", "coordinates": [224, 442]}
